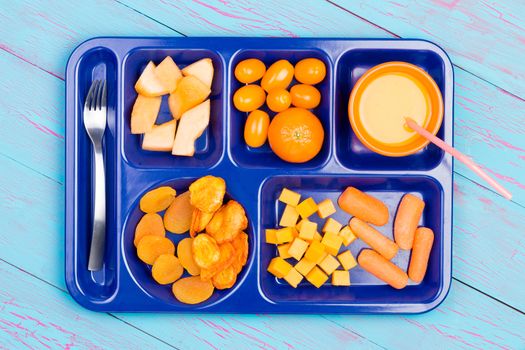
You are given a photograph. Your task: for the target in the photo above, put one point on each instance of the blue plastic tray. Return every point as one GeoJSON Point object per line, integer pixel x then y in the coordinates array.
{"type": "Point", "coordinates": [254, 177]}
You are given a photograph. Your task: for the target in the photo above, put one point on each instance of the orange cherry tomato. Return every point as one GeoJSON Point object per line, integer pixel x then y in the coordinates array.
{"type": "Point", "coordinates": [278, 76]}
{"type": "Point", "coordinates": [278, 100]}
{"type": "Point", "coordinates": [248, 98]}
{"type": "Point", "coordinates": [305, 96]}
{"type": "Point", "coordinates": [249, 70]}
{"type": "Point", "coordinates": [310, 71]}
{"type": "Point", "coordinates": [256, 128]}
{"type": "Point", "coordinates": [296, 135]}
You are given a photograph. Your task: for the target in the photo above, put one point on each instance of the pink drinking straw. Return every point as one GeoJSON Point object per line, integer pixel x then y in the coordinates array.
{"type": "Point", "coordinates": [460, 156]}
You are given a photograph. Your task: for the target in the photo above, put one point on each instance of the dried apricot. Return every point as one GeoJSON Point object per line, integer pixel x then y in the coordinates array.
{"type": "Point", "coordinates": [166, 269]}
{"type": "Point", "coordinates": [177, 218]}
{"type": "Point", "coordinates": [205, 250]}
{"type": "Point", "coordinates": [240, 243]}
{"type": "Point", "coordinates": [185, 254]}
{"type": "Point", "coordinates": [199, 220]}
{"type": "Point", "coordinates": [157, 200]}
{"type": "Point", "coordinates": [192, 290]}
{"type": "Point", "coordinates": [207, 193]}
{"type": "Point", "coordinates": [228, 222]}
{"type": "Point", "coordinates": [227, 256]}
{"type": "Point", "coordinates": [151, 247]}
{"type": "Point", "coordinates": [225, 279]}
{"type": "Point", "coordinates": [149, 224]}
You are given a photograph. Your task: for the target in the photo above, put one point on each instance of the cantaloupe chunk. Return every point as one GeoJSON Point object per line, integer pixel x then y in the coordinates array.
{"type": "Point", "coordinates": [189, 93]}
{"type": "Point", "coordinates": [191, 126]}
{"type": "Point", "coordinates": [192, 290]}
{"type": "Point", "coordinates": [144, 114]}
{"type": "Point", "coordinates": [202, 70]}
{"type": "Point", "coordinates": [177, 218]}
{"type": "Point", "coordinates": [149, 83]}
{"type": "Point", "coordinates": [160, 138]}
{"type": "Point", "coordinates": [168, 74]}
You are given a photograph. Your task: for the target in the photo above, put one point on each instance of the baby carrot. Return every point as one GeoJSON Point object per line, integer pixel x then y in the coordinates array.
{"type": "Point", "coordinates": [383, 269]}
{"type": "Point", "coordinates": [423, 240]}
{"type": "Point", "coordinates": [377, 241]}
{"type": "Point", "coordinates": [363, 206]}
{"type": "Point", "coordinates": [407, 219]}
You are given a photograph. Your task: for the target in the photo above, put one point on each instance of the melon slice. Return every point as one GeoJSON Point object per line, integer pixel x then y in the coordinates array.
{"type": "Point", "coordinates": [189, 93]}
{"type": "Point", "coordinates": [168, 73]}
{"type": "Point", "coordinates": [160, 138]}
{"type": "Point", "coordinates": [144, 113]}
{"type": "Point", "coordinates": [149, 84]}
{"type": "Point", "coordinates": [202, 70]}
{"type": "Point", "coordinates": [191, 126]}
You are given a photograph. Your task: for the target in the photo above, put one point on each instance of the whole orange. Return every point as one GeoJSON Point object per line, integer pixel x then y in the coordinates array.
{"type": "Point", "coordinates": [296, 135]}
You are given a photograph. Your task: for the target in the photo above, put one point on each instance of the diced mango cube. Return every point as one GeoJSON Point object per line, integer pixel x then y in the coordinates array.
{"type": "Point", "coordinates": [304, 266]}
{"type": "Point", "coordinates": [289, 217]}
{"type": "Point", "coordinates": [271, 237]}
{"type": "Point", "coordinates": [284, 235]}
{"type": "Point", "coordinates": [297, 248]}
{"type": "Point", "coordinates": [341, 278]}
{"type": "Point", "coordinates": [283, 250]}
{"type": "Point", "coordinates": [325, 208]}
{"type": "Point", "coordinates": [300, 224]}
{"type": "Point", "coordinates": [329, 264]}
{"type": "Point", "coordinates": [307, 207]}
{"type": "Point", "coordinates": [317, 237]}
{"type": "Point", "coordinates": [332, 242]}
{"type": "Point", "coordinates": [289, 197]}
{"type": "Point", "coordinates": [332, 225]}
{"type": "Point", "coordinates": [307, 230]}
{"type": "Point", "coordinates": [317, 277]}
{"type": "Point", "coordinates": [315, 252]}
{"type": "Point", "coordinates": [279, 267]}
{"type": "Point", "coordinates": [347, 260]}
{"type": "Point", "coordinates": [293, 278]}
{"type": "Point", "coordinates": [347, 235]}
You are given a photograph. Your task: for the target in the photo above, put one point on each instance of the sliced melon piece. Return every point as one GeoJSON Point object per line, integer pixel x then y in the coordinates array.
{"type": "Point", "coordinates": [149, 84]}
{"type": "Point", "coordinates": [202, 70]}
{"type": "Point", "coordinates": [191, 126]}
{"type": "Point", "coordinates": [168, 73]}
{"type": "Point", "coordinates": [189, 93]}
{"type": "Point", "coordinates": [160, 138]}
{"type": "Point", "coordinates": [144, 113]}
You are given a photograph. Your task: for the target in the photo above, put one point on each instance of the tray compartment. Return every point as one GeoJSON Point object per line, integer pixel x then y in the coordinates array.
{"type": "Point", "coordinates": [209, 146]}
{"type": "Point", "coordinates": [97, 63]}
{"type": "Point", "coordinates": [263, 157]}
{"type": "Point", "coordinates": [141, 272]}
{"type": "Point", "coordinates": [350, 66]}
{"type": "Point", "coordinates": [365, 288]}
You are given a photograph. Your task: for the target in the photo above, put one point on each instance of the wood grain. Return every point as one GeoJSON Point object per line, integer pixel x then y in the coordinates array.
{"type": "Point", "coordinates": [485, 37]}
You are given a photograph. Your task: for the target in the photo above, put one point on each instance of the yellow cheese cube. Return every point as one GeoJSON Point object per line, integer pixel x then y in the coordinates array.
{"type": "Point", "coordinates": [315, 252]}
{"type": "Point", "coordinates": [289, 217]}
{"type": "Point", "coordinates": [289, 197]}
{"type": "Point", "coordinates": [284, 235]}
{"type": "Point", "coordinates": [317, 277]}
{"type": "Point", "coordinates": [317, 237]}
{"type": "Point", "coordinates": [307, 207]}
{"type": "Point", "coordinates": [293, 278]}
{"type": "Point", "coordinates": [283, 250]}
{"type": "Point", "coordinates": [332, 242]}
{"type": "Point", "coordinates": [304, 266]}
{"type": "Point", "coordinates": [341, 278]}
{"type": "Point", "coordinates": [329, 264]}
{"type": "Point", "coordinates": [332, 225]}
{"type": "Point", "coordinates": [307, 230]}
{"type": "Point", "coordinates": [347, 260]}
{"type": "Point", "coordinates": [325, 208]}
{"type": "Point", "coordinates": [347, 235]}
{"type": "Point", "coordinates": [279, 267]}
{"type": "Point", "coordinates": [271, 237]}
{"type": "Point", "coordinates": [297, 248]}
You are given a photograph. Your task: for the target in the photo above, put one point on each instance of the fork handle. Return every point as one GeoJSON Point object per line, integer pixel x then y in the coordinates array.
{"type": "Point", "coordinates": [98, 238]}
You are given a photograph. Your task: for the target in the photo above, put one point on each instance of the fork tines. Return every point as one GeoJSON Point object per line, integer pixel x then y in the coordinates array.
{"type": "Point", "coordinates": [96, 97]}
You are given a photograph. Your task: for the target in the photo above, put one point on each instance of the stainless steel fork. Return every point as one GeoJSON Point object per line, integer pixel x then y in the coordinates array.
{"type": "Point", "coordinates": [95, 116]}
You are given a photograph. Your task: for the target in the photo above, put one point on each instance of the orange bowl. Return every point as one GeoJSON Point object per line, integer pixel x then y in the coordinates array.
{"type": "Point", "coordinates": [429, 99]}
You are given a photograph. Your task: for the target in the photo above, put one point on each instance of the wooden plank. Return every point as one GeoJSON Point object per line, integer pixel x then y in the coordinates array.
{"type": "Point", "coordinates": [479, 110]}
{"type": "Point", "coordinates": [484, 37]}
{"type": "Point", "coordinates": [36, 315]}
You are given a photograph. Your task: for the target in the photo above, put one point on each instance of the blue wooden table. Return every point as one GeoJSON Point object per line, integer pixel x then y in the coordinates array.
{"type": "Point", "coordinates": [486, 41]}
